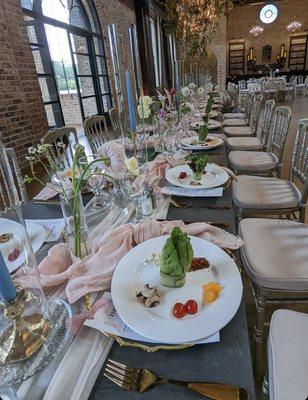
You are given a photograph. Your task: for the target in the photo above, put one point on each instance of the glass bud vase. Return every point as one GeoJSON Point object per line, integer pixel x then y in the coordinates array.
{"type": "Point", "coordinates": [32, 328]}
{"type": "Point", "coordinates": [76, 228]}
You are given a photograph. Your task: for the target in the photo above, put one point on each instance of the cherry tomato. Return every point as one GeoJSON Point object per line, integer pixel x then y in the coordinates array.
{"type": "Point", "coordinates": [191, 307]}
{"type": "Point", "coordinates": [179, 310]}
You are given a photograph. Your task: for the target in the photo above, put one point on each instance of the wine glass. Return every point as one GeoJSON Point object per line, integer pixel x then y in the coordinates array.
{"type": "Point", "coordinates": [96, 182]}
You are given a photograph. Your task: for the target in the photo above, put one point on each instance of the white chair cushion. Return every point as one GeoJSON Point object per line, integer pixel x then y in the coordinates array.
{"type": "Point", "coordinates": [244, 143]}
{"type": "Point", "coordinates": [261, 193]}
{"type": "Point", "coordinates": [252, 161]}
{"type": "Point", "coordinates": [288, 355]}
{"type": "Point", "coordinates": [234, 115]}
{"type": "Point", "coordinates": [301, 86]}
{"type": "Point", "coordinates": [271, 91]}
{"type": "Point", "coordinates": [275, 253]}
{"type": "Point", "coordinates": [238, 131]}
{"type": "Point", "coordinates": [235, 122]}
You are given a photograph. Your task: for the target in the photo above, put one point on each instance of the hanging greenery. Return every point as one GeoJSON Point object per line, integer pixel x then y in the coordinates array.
{"type": "Point", "coordinates": [193, 22]}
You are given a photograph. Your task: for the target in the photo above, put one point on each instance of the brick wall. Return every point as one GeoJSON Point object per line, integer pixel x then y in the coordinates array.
{"type": "Point", "coordinates": [22, 114]}
{"type": "Point", "coordinates": [242, 19]}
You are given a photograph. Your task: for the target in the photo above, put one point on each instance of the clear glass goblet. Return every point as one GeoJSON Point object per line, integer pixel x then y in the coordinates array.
{"type": "Point", "coordinates": [97, 182]}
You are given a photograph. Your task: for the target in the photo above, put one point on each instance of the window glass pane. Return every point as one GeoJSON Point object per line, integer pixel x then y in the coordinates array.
{"type": "Point", "coordinates": [64, 11]}
{"type": "Point", "coordinates": [54, 9]}
{"type": "Point", "coordinates": [28, 4]}
{"type": "Point", "coordinates": [77, 17]}
{"type": "Point", "coordinates": [50, 116]}
{"type": "Point", "coordinates": [82, 64]}
{"type": "Point", "coordinates": [106, 103]}
{"type": "Point", "coordinates": [86, 86]}
{"type": "Point", "coordinates": [92, 17]}
{"type": "Point", "coordinates": [98, 45]}
{"type": "Point", "coordinates": [38, 61]}
{"type": "Point", "coordinates": [104, 84]}
{"type": "Point", "coordinates": [89, 106]}
{"type": "Point", "coordinates": [154, 50]}
{"type": "Point", "coordinates": [101, 66]}
{"type": "Point", "coordinates": [79, 43]}
{"type": "Point", "coordinates": [49, 91]}
{"type": "Point", "coordinates": [31, 30]}
{"type": "Point", "coordinates": [64, 76]}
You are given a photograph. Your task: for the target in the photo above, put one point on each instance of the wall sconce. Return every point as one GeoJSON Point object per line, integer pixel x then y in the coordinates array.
{"type": "Point", "coordinates": [251, 60]}
{"type": "Point", "coordinates": [294, 26]}
{"type": "Point", "coordinates": [256, 30]}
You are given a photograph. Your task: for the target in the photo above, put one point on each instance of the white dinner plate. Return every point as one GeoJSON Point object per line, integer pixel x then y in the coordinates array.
{"type": "Point", "coordinates": [213, 114]}
{"type": "Point", "coordinates": [217, 177]}
{"type": "Point", "coordinates": [215, 142]}
{"type": "Point", "coordinates": [158, 323]}
{"type": "Point", "coordinates": [212, 124]}
{"type": "Point", "coordinates": [37, 236]}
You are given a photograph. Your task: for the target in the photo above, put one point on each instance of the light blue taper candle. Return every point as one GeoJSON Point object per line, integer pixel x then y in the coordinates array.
{"type": "Point", "coordinates": [7, 288]}
{"type": "Point", "coordinates": [131, 106]}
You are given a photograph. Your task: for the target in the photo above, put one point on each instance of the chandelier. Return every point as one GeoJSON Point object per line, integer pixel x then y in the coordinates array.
{"type": "Point", "coordinates": [194, 21]}
{"type": "Point", "coordinates": [294, 26]}
{"type": "Point", "coordinates": [256, 30]}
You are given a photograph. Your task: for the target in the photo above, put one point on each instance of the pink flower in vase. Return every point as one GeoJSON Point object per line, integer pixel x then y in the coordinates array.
{"type": "Point", "coordinates": [161, 114]}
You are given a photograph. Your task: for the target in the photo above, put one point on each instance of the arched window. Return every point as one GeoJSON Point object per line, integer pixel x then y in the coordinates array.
{"type": "Point", "coordinates": [68, 50]}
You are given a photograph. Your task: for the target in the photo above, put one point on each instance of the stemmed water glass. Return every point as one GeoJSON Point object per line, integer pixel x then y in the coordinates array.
{"type": "Point", "coordinates": [96, 182]}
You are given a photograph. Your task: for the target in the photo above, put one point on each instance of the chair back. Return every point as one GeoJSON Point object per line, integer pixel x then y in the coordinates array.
{"type": "Point", "coordinates": [248, 105]}
{"type": "Point", "coordinates": [279, 131]}
{"type": "Point", "coordinates": [114, 116]}
{"type": "Point", "coordinates": [63, 156]}
{"type": "Point", "coordinates": [96, 131]}
{"type": "Point", "coordinates": [255, 112]}
{"type": "Point", "coordinates": [300, 79]}
{"type": "Point", "coordinates": [299, 164]}
{"type": "Point", "coordinates": [267, 120]}
{"type": "Point", "coordinates": [242, 85]}
{"type": "Point", "coordinates": [5, 201]}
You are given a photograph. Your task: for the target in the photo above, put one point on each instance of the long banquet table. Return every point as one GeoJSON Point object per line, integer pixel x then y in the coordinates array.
{"type": "Point", "coordinates": [228, 361]}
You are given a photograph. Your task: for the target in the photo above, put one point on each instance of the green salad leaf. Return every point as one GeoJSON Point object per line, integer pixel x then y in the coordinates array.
{"type": "Point", "coordinates": [175, 259]}
{"type": "Point", "coordinates": [209, 105]}
{"type": "Point", "coordinates": [197, 163]}
{"type": "Point", "coordinates": [203, 132]}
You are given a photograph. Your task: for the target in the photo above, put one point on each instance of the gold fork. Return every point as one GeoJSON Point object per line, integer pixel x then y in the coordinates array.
{"type": "Point", "coordinates": [139, 380]}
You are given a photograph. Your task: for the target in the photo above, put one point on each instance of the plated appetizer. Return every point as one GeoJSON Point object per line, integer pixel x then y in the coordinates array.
{"type": "Point", "coordinates": [175, 259]}
{"type": "Point", "coordinates": [197, 163]}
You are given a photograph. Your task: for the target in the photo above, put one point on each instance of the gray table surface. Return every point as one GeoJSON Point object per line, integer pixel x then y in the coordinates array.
{"type": "Point", "coordinates": [228, 361]}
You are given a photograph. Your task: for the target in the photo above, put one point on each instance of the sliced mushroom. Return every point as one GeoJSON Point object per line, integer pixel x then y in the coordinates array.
{"type": "Point", "coordinates": [148, 296]}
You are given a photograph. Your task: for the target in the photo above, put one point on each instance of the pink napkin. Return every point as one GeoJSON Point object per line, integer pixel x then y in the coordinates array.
{"type": "Point", "coordinates": [50, 191]}
{"type": "Point", "coordinates": [115, 152]}
{"type": "Point", "coordinates": [94, 272]}
{"type": "Point", "coordinates": [158, 167]}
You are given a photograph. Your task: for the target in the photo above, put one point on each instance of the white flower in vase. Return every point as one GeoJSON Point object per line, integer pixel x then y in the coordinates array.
{"type": "Point", "coordinates": [200, 91]}
{"type": "Point", "coordinates": [185, 91]}
{"type": "Point", "coordinates": [132, 165]}
{"type": "Point", "coordinates": [192, 86]}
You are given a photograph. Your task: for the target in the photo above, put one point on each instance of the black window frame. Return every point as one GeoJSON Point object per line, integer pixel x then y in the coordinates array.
{"type": "Point", "coordinates": [39, 20]}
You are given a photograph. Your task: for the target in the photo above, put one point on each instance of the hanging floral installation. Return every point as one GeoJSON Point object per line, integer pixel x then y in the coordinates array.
{"type": "Point", "coordinates": [193, 22]}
